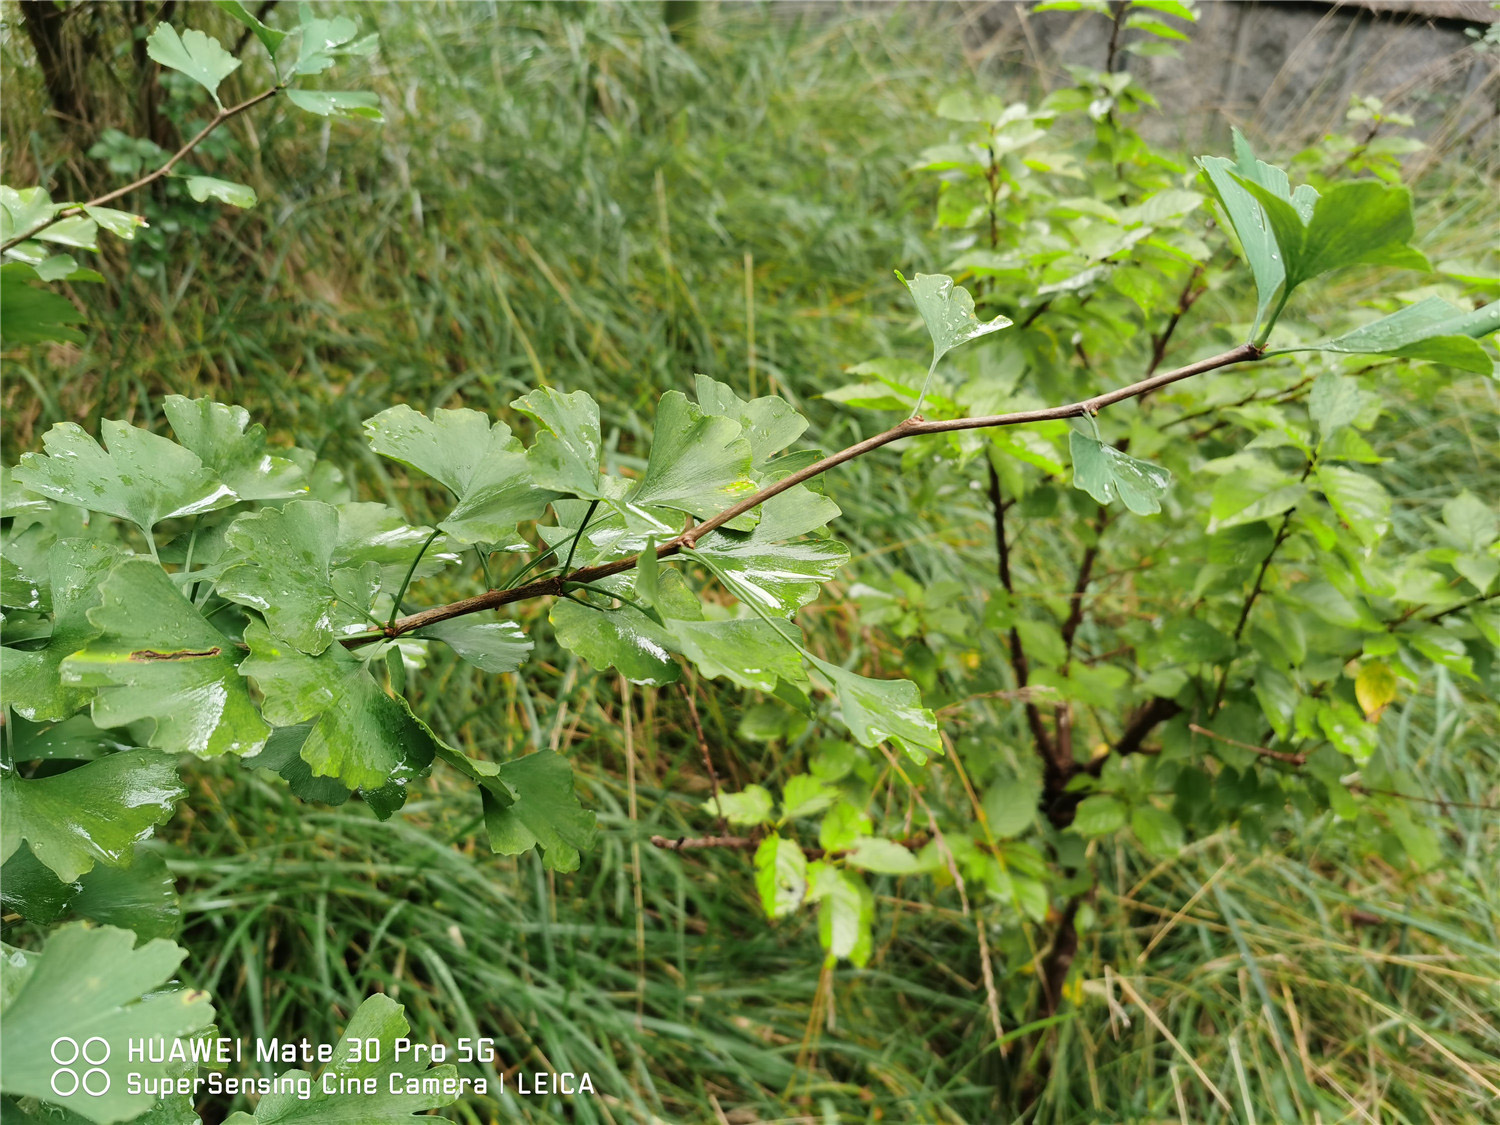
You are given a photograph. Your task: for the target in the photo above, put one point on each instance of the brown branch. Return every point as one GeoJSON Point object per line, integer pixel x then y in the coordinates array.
{"type": "Point", "coordinates": [1085, 573]}
{"type": "Point", "coordinates": [1053, 971]}
{"type": "Point", "coordinates": [150, 177]}
{"type": "Point", "coordinates": [556, 584]}
{"type": "Point", "coordinates": [1018, 661]}
{"type": "Point", "coordinates": [1289, 758]}
{"type": "Point", "coordinates": [1143, 722]}
{"type": "Point", "coordinates": [708, 762]}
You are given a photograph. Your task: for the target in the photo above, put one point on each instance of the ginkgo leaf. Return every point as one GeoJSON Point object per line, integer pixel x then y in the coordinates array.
{"type": "Point", "coordinates": [1363, 221]}
{"type": "Point", "coordinates": [368, 1058]}
{"type": "Point", "coordinates": [880, 710]}
{"type": "Point", "coordinates": [30, 679]}
{"type": "Point", "coordinates": [94, 813]}
{"type": "Point", "coordinates": [565, 455]}
{"type": "Point", "coordinates": [746, 651]}
{"type": "Point", "coordinates": [479, 462]}
{"type": "Point", "coordinates": [773, 566]}
{"type": "Point", "coordinates": [320, 39]}
{"type": "Point", "coordinates": [1105, 474]}
{"type": "Point", "coordinates": [93, 983]}
{"type": "Point", "coordinates": [1257, 239]}
{"type": "Point", "coordinates": [143, 478]}
{"type": "Point", "coordinates": [699, 463]}
{"type": "Point", "coordinates": [270, 38]}
{"type": "Point", "coordinates": [494, 646]}
{"type": "Point", "coordinates": [22, 210]}
{"type": "Point", "coordinates": [948, 312]}
{"type": "Point", "coordinates": [543, 811]}
{"type": "Point", "coordinates": [121, 224]}
{"type": "Point", "coordinates": [201, 57]}
{"type": "Point", "coordinates": [370, 532]}
{"type": "Point", "coordinates": [282, 566]}
{"type": "Point", "coordinates": [159, 663]}
{"type": "Point", "coordinates": [1432, 330]}
{"type": "Point", "coordinates": [226, 442]}
{"type": "Point", "coordinates": [330, 103]}
{"type": "Point", "coordinates": [770, 423]}
{"type": "Point", "coordinates": [204, 188]}
{"type": "Point", "coordinates": [362, 736]}
{"type": "Point", "coordinates": [623, 638]}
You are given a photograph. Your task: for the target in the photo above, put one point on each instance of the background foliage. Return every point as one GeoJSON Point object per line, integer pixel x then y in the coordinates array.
{"type": "Point", "coordinates": [579, 198]}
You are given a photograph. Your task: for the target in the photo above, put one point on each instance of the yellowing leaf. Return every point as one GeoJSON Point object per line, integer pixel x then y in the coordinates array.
{"type": "Point", "coordinates": [1374, 687]}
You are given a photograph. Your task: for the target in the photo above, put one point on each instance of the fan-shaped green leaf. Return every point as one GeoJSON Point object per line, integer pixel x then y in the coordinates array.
{"type": "Point", "coordinates": [29, 315]}
{"type": "Point", "coordinates": [281, 564]}
{"type": "Point", "coordinates": [96, 812]}
{"type": "Point", "coordinates": [270, 37]}
{"type": "Point", "coordinates": [204, 188]}
{"type": "Point", "coordinates": [877, 710]}
{"type": "Point", "coordinates": [770, 424]}
{"type": "Point", "coordinates": [1105, 473]}
{"type": "Point", "coordinates": [543, 811]}
{"type": "Point", "coordinates": [1431, 329]}
{"type": "Point", "coordinates": [699, 463]}
{"type": "Point", "coordinates": [362, 736]}
{"type": "Point", "coordinates": [87, 984]}
{"type": "Point", "coordinates": [342, 103]}
{"type": "Point", "coordinates": [30, 680]}
{"type": "Point", "coordinates": [624, 639]}
{"type": "Point", "coordinates": [565, 455]}
{"type": "Point", "coordinates": [224, 440]}
{"type": "Point", "coordinates": [479, 462]}
{"type": "Point", "coordinates": [948, 312]}
{"type": "Point", "coordinates": [495, 646]}
{"type": "Point", "coordinates": [378, 1020]}
{"type": "Point", "coordinates": [158, 662]}
{"type": "Point", "coordinates": [763, 567]}
{"type": "Point", "coordinates": [143, 478]}
{"type": "Point", "coordinates": [201, 57]}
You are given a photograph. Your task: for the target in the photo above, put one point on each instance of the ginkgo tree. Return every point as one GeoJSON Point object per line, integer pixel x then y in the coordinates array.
{"type": "Point", "coordinates": [210, 594]}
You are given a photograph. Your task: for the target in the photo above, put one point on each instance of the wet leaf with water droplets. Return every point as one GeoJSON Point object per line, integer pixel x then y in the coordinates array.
{"type": "Point", "coordinates": [1105, 473]}
{"type": "Point", "coordinates": [699, 463]}
{"type": "Point", "coordinates": [226, 442]}
{"type": "Point", "coordinates": [479, 462]}
{"type": "Point", "coordinates": [158, 661]}
{"type": "Point", "coordinates": [773, 566]}
{"type": "Point", "coordinates": [30, 680]}
{"type": "Point", "coordinates": [362, 736]}
{"type": "Point", "coordinates": [879, 710]}
{"type": "Point", "coordinates": [281, 565]}
{"type": "Point", "coordinates": [143, 478]}
{"type": "Point", "coordinates": [566, 452]}
{"type": "Point", "coordinates": [536, 805]}
{"type": "Point", "coordinates": [87, 983]}
{"type": "Point", "coordinates": [95, 813]}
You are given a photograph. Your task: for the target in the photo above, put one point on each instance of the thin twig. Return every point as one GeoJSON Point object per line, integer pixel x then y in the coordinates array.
{"type": "Point", "coordinates": [708, 762]}
{"type": "Point", "coordinates": [1264, 751]}
{"type": "Point", "coordinates": [554, 585]}
{"type": "Point", "coordinates": [150, 177]}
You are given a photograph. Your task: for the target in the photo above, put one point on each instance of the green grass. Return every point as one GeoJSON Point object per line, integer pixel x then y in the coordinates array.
{"type": "Point", "coordinates": [567, 195]}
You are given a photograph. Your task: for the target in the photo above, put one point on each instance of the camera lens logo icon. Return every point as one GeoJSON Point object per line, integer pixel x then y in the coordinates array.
{"type": "Point", "coordinates": [72, 1058]}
